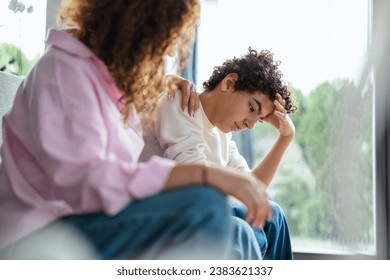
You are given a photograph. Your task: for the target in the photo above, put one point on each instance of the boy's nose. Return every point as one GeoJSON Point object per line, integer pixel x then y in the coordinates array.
{"type": "Point", "coordinates": [249, 124]}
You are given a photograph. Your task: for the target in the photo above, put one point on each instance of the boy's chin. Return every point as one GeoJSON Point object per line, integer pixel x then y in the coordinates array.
{"type": "Point", "coordinates": [225, 130]}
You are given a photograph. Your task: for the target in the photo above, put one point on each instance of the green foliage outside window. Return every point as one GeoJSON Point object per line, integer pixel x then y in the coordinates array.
{"type": "Point", "coordinates": [326, 187]}
{"type": "Point", "coordinates": [14, 61]}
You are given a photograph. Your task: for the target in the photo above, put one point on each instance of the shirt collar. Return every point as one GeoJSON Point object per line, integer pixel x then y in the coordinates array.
{"type": "Point", "coordinates": [63, 40]}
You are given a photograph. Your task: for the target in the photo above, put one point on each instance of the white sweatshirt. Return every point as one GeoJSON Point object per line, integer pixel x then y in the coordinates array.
{"type": "Point", "coordinates": [177, 135]}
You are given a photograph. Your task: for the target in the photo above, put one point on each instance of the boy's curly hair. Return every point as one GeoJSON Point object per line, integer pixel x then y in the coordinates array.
{"type": "Point", "coordinates": [132, 38]}
{"type": "Point", "coordinates": [257, 72]}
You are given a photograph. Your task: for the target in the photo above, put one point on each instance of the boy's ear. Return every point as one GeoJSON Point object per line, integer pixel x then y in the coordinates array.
{"type": "Point", "coordinates": [228, 82]}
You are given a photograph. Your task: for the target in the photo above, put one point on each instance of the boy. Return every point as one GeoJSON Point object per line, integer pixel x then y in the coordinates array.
{"type": "Point", "coordinates": [239, 93]}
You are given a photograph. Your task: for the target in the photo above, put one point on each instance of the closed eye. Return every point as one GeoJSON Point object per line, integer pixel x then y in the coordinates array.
{"type": "Point", "coordinates": [259, 107]}
{"type": "Point", "coordinates": [251, 108]}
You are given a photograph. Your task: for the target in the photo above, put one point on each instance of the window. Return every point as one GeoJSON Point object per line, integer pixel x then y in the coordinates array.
{"type": "Point", "coordinates": [22, 34]}
{"type": "Point", "coordinates": [326, 182]}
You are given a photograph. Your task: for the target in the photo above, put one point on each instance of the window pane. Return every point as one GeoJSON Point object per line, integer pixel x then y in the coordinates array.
{"type": "Point", "coordinates": [22, 34]}
{"type": "Point", "coordinates": [325, 183]}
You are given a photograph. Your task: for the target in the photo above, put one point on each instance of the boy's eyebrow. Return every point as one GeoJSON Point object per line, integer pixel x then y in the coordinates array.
{"type": "Point", "coordinates": [260, 107]}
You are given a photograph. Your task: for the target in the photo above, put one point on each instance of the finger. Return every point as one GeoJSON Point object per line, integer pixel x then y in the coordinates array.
{"type": "Point", "coordinates": [279, 106]}
{"type": "Point", "coordinates": [248, 218]}
{"type": "Point", "coordinates": [270, 214]}
{"type": "Point", "coordinates": [171, 93]}
{"type": "Point", "coordinates": [250, 204]}
{"type": "Point", "coordinates": [193, 98]}
{"type": "Point", "coordinates": [171, 86]}
{"type": "Point", "coordinates": [265, 214]}
{"type": "Point", "coordinates": [186, 95]}
{"type": "Point", "coordinates": [281, 116]}
{"type": "Point", "coordinates": [197, 103]}
{"type": "Point", "coordinates": [281, 100]}
{"type": "Point", "coordinates": [260, 216]}
{"type": "Point", "coordinates": [263, 209]}
{"type": "Point", "coordinates": [252, 215]}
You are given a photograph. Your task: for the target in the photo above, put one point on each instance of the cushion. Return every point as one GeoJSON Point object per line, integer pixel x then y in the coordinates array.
{"type": "Point", "coordinates": [8, 87]}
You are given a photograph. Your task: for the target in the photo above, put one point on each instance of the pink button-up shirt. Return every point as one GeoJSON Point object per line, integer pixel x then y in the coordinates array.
{"type": "Point", "coordinates": [65, 149]}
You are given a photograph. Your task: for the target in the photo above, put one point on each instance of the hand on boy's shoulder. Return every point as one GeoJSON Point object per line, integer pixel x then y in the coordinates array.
{"type": "Point", "coordinates": [173, 103]}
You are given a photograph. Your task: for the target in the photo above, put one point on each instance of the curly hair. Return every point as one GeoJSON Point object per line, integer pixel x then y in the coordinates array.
{"type": "Point", "coordinates": [257, 72]}
{"type": "Point", "coordinates": [132, 38]}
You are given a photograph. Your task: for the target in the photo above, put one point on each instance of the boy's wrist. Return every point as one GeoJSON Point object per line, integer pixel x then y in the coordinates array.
{"type": "Point", "coordinates": [287, 138]}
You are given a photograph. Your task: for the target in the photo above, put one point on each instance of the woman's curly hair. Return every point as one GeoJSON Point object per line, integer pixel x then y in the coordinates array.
{"type": "Point", "coordinates": [132, 38]}
{"type": "Point", "coordinates": [257, 72]}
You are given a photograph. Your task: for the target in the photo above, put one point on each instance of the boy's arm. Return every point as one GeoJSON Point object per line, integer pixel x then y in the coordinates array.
{"type": "Point", "coordinates": [266, 169]}
{"type": "Point", "coordinates": [268, 166]}
{"type": "Point", "coordinates": [179, 134]}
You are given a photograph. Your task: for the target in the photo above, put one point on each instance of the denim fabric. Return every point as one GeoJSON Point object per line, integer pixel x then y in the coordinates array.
{"type": "Point", "coordinates": [274, 238]}
{"type": "Point", "coordinates": [245, 246]}
{"type": "Point", "coordinates": [191, 223]}
{"type": "Point", "coordinates": [188, 223]}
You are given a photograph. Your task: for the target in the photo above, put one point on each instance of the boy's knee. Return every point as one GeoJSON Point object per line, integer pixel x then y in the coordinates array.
{"type": "Point", "coordinates": [276, 209]}
{"type": "Point", "coordinates": [278, 216]}
{"type": "Point", "coordinates": [245, 245]}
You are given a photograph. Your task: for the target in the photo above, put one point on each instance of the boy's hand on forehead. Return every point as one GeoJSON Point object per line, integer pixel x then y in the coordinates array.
{"type": "Point", "coordinates": [280, 118]}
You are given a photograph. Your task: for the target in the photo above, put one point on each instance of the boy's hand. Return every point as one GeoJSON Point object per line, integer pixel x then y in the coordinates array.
{"type": "Point", "coordinates": [280, 119]}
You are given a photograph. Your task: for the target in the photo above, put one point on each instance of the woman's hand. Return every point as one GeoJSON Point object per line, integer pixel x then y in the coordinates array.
{"type": "Point", "coordinates": [189, 97]}
{"type": "Point", "coordinates": [245, 187]}
{"type": "Point", "coordinates": [280, 118]}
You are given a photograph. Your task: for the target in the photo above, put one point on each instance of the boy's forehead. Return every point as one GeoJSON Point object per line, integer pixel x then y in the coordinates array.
{"type": "Point", "coordinates": [261, 96]}
{"type": "Point", "coordinates": [266, 103]}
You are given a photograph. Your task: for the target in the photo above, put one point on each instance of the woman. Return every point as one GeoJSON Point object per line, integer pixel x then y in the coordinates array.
{"type": "Point", "coordinates": [73, 138]}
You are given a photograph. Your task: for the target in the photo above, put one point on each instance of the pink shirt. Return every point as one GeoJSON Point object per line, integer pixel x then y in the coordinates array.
{"type": "Point", "coordinates": [65, 149]}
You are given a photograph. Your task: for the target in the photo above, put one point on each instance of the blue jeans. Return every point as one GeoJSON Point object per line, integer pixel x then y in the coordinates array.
{"type": "Point", "coordinates": [188, 223]}
{"type": "Point", "coordinates": [274, 238]}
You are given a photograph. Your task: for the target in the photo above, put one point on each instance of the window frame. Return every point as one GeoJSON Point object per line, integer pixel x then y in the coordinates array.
{"type": "Point", "coordinates": [381, 62]}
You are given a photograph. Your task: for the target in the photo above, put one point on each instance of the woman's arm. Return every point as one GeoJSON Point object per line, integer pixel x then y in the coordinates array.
{"type": "Point", "coordinates": [251, 191]}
